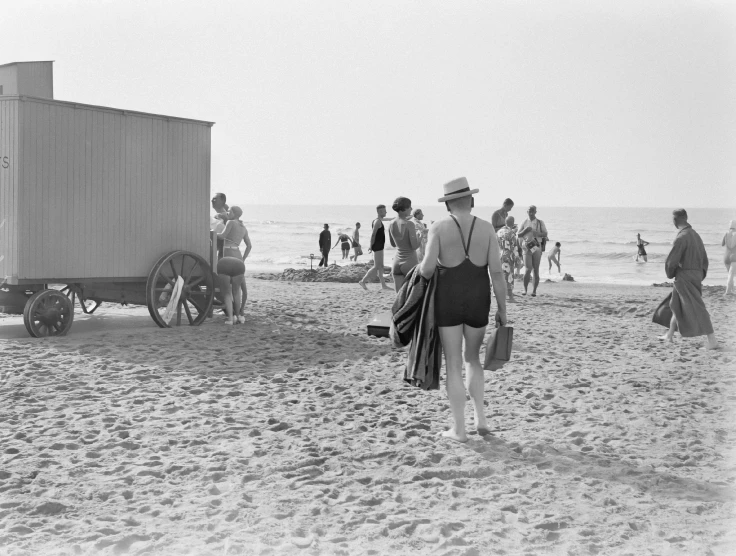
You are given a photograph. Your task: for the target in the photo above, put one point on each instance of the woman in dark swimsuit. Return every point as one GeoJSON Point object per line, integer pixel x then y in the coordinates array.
{"type": "Point", "coordinates": [640, 243]}
{"type": "Point", "coordinates": [464, 251]}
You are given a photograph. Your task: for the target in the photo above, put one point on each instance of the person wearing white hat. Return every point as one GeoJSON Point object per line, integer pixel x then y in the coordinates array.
{"type": "Point", "coordinates": [464, 252]}
{"type": "Point", "coordinates": [729, 257]}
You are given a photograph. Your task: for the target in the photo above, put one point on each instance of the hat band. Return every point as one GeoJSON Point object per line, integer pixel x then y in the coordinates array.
{"type": "Point", "coordinates": [463, 190]}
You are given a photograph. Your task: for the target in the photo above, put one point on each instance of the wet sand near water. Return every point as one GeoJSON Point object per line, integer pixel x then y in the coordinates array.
{"type": "Point", "coordinates": [293, 434]}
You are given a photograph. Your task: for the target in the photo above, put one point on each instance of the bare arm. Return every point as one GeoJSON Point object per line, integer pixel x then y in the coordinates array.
{"type": "Point", "coordinates": [429, 262]}
{"type": "Point", "coordinates": [248, 246]}
{"type": "Point", "coordinates": [497, 279]}
{"type": "Point", "coordinates": [391, 235]}
{"type": "Point", "coordinates": [223, 234]}
{"type": "Point", "coordinates": [376, 226]}
{"type": "Point", "coordinates": [413, 237]}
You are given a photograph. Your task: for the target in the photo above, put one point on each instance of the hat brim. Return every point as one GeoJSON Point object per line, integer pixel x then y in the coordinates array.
{"type": "Point", "coordinates": [457, 195]}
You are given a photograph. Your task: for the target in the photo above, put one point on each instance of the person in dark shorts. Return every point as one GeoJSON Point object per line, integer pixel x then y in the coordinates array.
{"type": "Point", "coordinates": [378, 241]}
{"type": "Point", "coordinates": [344, 241]}
{"type": "Point", "coordinates": [464, 251]}
{"type": "Point", "coordinates": [640, 243]}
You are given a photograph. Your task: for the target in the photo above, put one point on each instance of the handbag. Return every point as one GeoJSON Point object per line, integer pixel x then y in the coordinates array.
{"type": "Point", "coordinates": [498, 348]}
{"type": "Point", "coordinates": [663, 313]}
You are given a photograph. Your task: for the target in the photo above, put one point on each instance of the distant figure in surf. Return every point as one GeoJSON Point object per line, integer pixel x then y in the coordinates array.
{"type": "Point", "coordinates": [554, 257]}
{"type": "Point", "coordinates": [687, 263]}
{"type": "Point", "coordinates": [344, 241]}
{"type": "Point", "coordinates": [729, 257]}
{"type": "Point", "coordinates": [358, 250]}
{"type": "Point", "coordinates": [640, 243]}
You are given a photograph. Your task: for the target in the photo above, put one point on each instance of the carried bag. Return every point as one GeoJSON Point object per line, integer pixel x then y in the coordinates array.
{"type": "Point", "coordinates": [663, 313]}
{"type": "Point", "coordinates": [498, 348]}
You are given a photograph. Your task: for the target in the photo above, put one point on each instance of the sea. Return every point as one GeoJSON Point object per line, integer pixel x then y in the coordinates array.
{"type": "Point", "coordinates": [598, 244]}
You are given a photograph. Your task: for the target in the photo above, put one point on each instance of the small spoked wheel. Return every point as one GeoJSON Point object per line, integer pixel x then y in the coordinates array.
{"type": "Point", "coordinates": [196, 290]}
{"type": "Point", "coordinates": [48, 313]}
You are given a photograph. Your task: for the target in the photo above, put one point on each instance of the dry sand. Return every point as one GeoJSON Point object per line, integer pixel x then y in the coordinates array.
{"type": "Point", "coordinates": [293, 434]}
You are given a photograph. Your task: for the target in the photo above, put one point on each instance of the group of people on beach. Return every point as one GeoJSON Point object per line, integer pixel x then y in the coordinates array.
{"type": "Point", "coordinates": [518, 247]}
{"type": "Point", "coordinates": [467, 260]}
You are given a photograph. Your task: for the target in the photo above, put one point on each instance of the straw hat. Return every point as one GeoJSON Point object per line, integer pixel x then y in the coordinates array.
{"type": "Point", "coordinates": [456, 189]}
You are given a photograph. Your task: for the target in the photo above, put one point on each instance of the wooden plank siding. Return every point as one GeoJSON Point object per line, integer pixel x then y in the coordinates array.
{"type": "Point", "coordinates": [8, 187]}
{"type": "Point", "coordinates": [100, 193]}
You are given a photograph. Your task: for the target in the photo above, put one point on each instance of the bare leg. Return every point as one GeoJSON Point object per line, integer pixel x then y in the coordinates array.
{"type": "Point", "coordinates": [731, 276]}
{"type": "Point", "coordinates": [645, 258]}
{"type": "Point", "coordinates": [527, 270]}
{"type": "Point", "coordinates": [671, 332]}
{"type": "Point", "coordinates": [379, 269]}
{"type": "Point", "coordinates": [536, 260]}
{"type": "Point", "coordinates": [237, 287]}
{"type": "Point", "coordinates": [244, 289]}
{"type": "Point", "coordinates": [398, 282]}
{"type": "Point", "coordinates": [474, 378]}
{"type": "Point", "coordinates": [373, 271]}
{"type": "Point", "coordinates": [712, 342]}
{"type": "Point", "coordinates": [227, 297]}
{"type": "Point", "coordinates": [452, 343]}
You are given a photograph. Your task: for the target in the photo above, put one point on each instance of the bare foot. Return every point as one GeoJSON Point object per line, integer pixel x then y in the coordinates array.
{"type": "Point", "coordinates": [665, 338]}
{"type": "Point", "coordinates": [362, 285]}
{"type": "Point", "coordinates": [385, 287]}
{"type": "Point", "coordinates": [452, 435]}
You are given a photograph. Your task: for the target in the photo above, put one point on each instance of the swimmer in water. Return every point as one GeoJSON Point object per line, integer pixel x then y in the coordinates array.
{"type": "Point", "coordinates": [640, 243]}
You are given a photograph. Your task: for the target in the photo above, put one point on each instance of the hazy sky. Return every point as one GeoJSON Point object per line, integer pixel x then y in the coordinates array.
{"type": "Point", "coordinates": [589, 103]}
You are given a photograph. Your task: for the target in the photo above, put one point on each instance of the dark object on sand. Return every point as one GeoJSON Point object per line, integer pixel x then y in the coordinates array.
{"type": "Point", "coordinates": [379, 325]}
{"type": "Point", "coordinates": [568, 278]}
{"type": "Point", "coordinates": [664, 285]}
{"type": "Point", "coordinates": [663, 313]}
{"type": "Point", "coordinates": [498, 348]}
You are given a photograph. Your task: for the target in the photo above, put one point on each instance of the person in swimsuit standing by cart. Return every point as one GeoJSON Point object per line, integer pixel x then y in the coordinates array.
{"type": "Point", "coordinates": [465, 252]}
{"type": "Point", "coordinates": [233, 287]}
{"type": "Point", "coordinates": [403, 236]}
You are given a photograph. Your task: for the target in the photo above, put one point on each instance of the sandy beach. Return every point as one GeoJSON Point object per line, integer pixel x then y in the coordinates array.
{"type": "Point", "coordinates": [294, 434]}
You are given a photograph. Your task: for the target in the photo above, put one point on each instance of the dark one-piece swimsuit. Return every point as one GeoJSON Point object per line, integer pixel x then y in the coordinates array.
{"type": "Point", "coordinates": [380, 241]}
{"type": "Point", "coordinates": [464, 291]}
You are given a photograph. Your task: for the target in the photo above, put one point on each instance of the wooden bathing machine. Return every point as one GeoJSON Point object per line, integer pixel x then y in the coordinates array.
{"type": "Point", "coordinates": [94, 197]}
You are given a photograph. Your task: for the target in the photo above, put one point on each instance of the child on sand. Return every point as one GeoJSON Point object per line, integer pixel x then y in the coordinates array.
{"type": "Point", "coordinates": [554, 257]}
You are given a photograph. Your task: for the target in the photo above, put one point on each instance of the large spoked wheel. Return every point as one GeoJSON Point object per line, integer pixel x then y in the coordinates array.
{"type": "Point", "coordinates": [197, 292]}
{"type": "Point", "coordinates": [48, 313]}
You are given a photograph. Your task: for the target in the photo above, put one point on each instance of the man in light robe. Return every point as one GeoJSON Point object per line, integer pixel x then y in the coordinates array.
{"type": "Point", "coordinates": [687, 263]}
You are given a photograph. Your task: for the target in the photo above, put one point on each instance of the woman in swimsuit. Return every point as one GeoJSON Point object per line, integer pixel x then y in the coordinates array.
{"type": "Point", "coordinates": [464, 251]}
{"type": "Point", "coordinates": [729, 257]}
{"type": "Point", "coordinates": [403, 235]}
{"type": "Point", "coordinates": [233, 287]}
{"type": "Point", "coordinates": [641, 252]}
{"type": "Point", "coordinates": [344, 241]}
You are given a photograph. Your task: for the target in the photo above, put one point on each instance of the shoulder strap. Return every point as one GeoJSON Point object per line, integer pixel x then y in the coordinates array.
{"type": "Point", "coordinates": [462, 235]}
